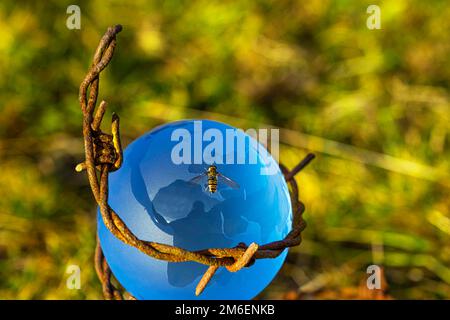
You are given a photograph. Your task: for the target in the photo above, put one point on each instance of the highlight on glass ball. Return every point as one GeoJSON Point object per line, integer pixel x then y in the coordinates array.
{"type": "Point", "coordinates": [196, 184]}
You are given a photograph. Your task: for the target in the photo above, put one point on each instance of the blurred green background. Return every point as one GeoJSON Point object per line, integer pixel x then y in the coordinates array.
{"type": "Point", "coordinates": [372, 104]}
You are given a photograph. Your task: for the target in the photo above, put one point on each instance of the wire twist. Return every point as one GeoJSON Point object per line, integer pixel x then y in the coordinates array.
{"type": "Point", "coordinates": [103, 154]}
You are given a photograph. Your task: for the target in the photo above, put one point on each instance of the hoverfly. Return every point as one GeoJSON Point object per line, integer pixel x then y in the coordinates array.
{"type": "Point", "coordinates": [214, 177]}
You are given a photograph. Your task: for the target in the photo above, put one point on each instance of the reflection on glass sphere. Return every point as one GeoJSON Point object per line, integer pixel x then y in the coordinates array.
{"type": "Point", "coordinates": [159, 201]}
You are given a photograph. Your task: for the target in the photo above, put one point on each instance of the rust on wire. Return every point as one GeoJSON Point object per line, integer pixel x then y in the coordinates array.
{"type": "Point", "coordinates": [103, 154]}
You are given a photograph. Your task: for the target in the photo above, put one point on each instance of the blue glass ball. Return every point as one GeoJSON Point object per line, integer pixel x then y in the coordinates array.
{"type": "Point", "coordinates": [159, 201]}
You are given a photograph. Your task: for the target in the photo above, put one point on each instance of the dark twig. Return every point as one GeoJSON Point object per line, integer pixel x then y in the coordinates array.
{"type": "Point", "coordinates": [309, 157]}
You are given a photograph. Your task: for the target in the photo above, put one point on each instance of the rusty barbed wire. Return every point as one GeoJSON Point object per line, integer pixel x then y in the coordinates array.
{"type": "Point", "coordinates": [103, 154]}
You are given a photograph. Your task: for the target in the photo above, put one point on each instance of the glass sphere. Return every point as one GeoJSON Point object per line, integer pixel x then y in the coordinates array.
{"type": "Point", "coordinates": [165, 201]}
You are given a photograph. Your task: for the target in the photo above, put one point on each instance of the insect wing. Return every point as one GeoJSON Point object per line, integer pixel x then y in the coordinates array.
{"type": "Point", "coordinates": [198, 179]}
{"type": "Point", "coordinates": [228, 181]}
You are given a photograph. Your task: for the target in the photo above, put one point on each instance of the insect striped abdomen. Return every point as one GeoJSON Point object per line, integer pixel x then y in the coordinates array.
{"type": "Point", "coordinates": [212, 183]}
